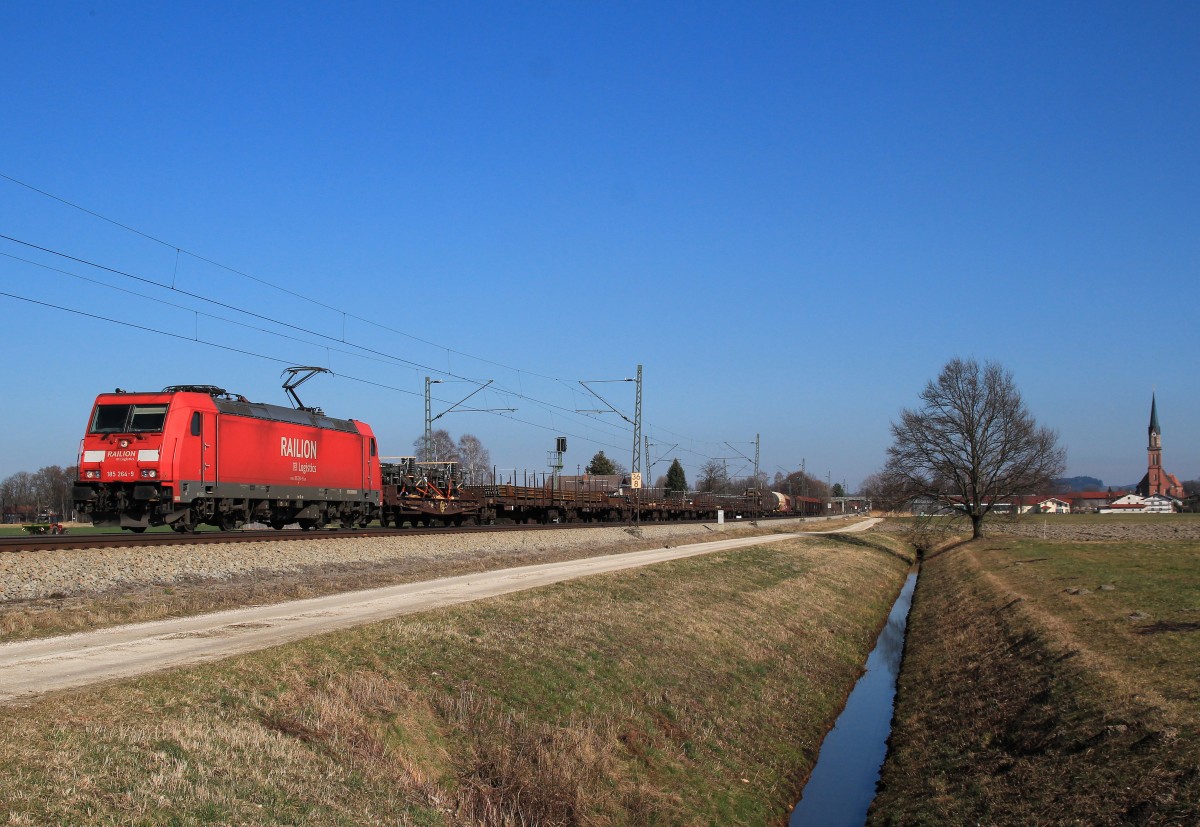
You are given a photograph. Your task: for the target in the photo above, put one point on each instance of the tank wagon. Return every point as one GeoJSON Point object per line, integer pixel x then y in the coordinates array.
{"type": "Point", "coordinates": [776, 502]}
{"type": "Point", "coordinates": [193, 454]}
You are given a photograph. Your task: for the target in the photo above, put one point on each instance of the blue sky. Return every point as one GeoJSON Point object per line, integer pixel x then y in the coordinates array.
{"type": "Point", "coordinates": [792, 214]}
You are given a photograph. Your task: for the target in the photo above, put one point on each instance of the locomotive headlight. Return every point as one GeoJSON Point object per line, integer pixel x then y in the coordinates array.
{"type": "Point", "coordinates": [149, 473]}
{"type": "Point", "coordinates": [92, 475]}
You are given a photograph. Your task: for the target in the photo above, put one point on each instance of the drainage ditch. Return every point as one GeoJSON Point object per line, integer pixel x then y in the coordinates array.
{"type": "Point", "coordinates": [842, 785]}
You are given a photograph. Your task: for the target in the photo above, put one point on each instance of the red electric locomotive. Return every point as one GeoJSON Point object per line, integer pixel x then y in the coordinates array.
{"type": "Point", "coordinates": [196, 454]}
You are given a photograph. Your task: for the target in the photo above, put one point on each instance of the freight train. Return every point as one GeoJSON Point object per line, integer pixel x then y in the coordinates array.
{"type": "Point", "coordinates": [196, 454]}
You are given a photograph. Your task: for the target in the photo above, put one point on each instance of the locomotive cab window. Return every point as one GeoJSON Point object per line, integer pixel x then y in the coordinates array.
{"type": "Point", "coordinates": [128, 419]}
{"type": "Point", "coordinates": [110, 419]}
{"type": "Point", "coordinates": [196, 423]}
{"type": "Point", "coordinates": [147, 418]}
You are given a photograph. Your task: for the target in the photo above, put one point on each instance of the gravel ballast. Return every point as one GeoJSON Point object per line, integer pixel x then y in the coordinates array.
{"type": "Point", "coordinates": [44, 574]}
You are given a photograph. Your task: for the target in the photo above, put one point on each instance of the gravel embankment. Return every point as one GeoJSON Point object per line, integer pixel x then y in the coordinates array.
{"type": "Point", "coordinates": [42, 574]}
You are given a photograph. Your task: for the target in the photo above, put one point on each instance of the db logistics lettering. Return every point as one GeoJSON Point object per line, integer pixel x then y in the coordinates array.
{"type": "Point", "coordinates": [291, 446]}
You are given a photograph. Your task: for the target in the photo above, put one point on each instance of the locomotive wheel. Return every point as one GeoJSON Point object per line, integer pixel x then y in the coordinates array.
{"type": "Point", "coordinates": [138, 529]}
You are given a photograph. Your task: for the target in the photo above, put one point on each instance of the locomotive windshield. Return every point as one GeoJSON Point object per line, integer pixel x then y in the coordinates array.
{"type": "Point", "coordinates": [128, 419]}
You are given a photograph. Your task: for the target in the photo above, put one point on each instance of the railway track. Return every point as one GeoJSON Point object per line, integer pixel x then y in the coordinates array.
{"type": "Point", "coordinates": [62, 542]}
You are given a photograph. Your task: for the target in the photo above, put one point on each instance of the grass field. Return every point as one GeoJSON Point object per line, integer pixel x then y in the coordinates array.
{"type": "Point", "coordinates": [694, 692]}
{"type": "Point", "coordinates": [1101, 519]}
{"type": "Point", "coordinates": [1050, 682]}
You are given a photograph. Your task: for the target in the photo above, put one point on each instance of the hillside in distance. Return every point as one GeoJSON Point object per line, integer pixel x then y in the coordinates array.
{"type": "Point", "coordinates": [1067, 484]}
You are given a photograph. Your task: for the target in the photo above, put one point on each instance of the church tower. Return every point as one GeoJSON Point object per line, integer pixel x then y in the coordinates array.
{"type": "Point", "coordinates": [1157, 481]}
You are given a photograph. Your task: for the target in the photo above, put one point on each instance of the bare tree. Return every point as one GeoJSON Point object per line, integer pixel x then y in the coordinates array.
{"type": "Point", "coordinates": [801, 484]}
{"type": "Point", "coordinates": [474, 460]}
{"type": "Point", "coordinates": [52, 487]}
{"type": "Point", "coordinates": [972, 443]}
{"type": "Point", "coordinates": [713, 478]}
{"type": "Point", "coordinates": [441, 447]}
{"type": "Point", "coordinates": [884, 491]}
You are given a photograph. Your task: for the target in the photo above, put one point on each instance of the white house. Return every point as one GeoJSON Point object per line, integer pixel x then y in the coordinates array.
{"type": "Point", "coordinates": [1044, 505]}
{"type": "Point", "coordinates": [1129, 504]}
{"type": "Point", "coordinates": [1161, 504]}
{"type": "Point", "coordinates": [1136, 504]}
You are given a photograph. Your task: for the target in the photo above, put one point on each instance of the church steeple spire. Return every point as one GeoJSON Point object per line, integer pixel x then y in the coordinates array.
{"type": "Point", "coordinates": [1157, 481]}
{"type": "Point", "coordinates": [1155, 433]}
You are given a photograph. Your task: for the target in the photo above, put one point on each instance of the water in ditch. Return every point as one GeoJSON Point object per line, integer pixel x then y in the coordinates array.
{"type": "Point", "coordinates": [842, 783]}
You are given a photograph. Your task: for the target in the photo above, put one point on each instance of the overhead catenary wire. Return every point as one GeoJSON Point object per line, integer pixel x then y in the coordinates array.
{"type": "Point", "coordinates": [392, 360]}
{"type": "Point", "coordinates": [243, 352]}
{"type": "Point", "coordinates": [199, 297]}
{"type": "Point", "coordinates": [180, 251]}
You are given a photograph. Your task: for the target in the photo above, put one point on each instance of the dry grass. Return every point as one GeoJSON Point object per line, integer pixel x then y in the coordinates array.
{"type": "Point", "coordinates": [1031, 695]}
{"type": "Point", "coordinates": [694, 692]}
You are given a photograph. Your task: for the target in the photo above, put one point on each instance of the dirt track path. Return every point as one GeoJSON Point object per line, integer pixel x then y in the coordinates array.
{"type": "Point", "coordinates": [34, 667]}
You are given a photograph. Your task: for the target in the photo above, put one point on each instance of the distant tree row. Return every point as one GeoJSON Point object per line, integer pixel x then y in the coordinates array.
{"type": "Point", "coordinates": [24, 495]}
{"type": "Point", "coordinates": [801, 484]}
